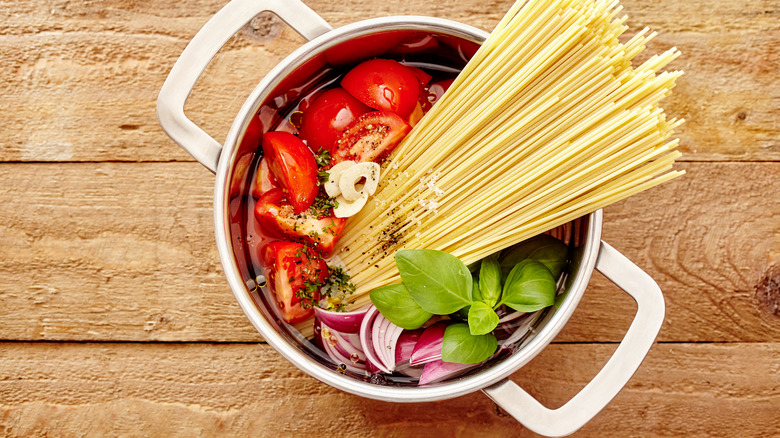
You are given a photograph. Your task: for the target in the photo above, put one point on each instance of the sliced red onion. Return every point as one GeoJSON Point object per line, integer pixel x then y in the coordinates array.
{"type": "Point", "coordinates": [428, 347]}
{"type": "Point", "coordinates": [408, 370]}
{"type": "Point", "coordinates": [367, 335]}
{"type": "Point", "coordinates": [406, 343]}
{"type": "Point", "coordinates": [511, 317]}
{"type": "Point", "coordinates": [343, 348]}
{"type": "Point", "coordinates": [438, 370]}
{"type": "Point", "coordinates": [344, 322]}
{"type": "Point", "coordinates": [379, 336]}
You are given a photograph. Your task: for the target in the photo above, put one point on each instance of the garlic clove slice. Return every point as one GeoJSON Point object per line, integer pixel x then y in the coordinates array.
{"type": "Point", "coordinates": [348, 181]}
{"type": "Point", "coordinates": [349, 208]}
{"type": "Point", "coordinates": [334, 175]}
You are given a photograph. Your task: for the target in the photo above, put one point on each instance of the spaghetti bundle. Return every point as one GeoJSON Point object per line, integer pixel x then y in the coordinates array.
{"type": "Point", "coordinates": [548, 122]}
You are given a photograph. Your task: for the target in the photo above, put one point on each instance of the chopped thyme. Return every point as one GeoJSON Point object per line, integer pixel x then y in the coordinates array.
{"type": "Point", "coordinates": [322, 177]}
{"type": "Point", "coordinates": [322, 157]}
{"type": "Point", "coordinates": [322, 205]}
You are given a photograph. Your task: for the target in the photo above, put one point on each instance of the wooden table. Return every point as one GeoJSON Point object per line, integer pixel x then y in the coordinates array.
{"type": "Point", "coordinates": [116, 316]}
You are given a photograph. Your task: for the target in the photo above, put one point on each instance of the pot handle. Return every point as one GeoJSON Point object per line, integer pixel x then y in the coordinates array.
{"type": "Point", "coordinates": [615, 374]}
{"type": "Point", "coordinates": [199, 52]}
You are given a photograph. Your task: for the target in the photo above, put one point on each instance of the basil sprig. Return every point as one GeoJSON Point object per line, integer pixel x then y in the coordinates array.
{"type": "Point", "coordinates": [438, 283]}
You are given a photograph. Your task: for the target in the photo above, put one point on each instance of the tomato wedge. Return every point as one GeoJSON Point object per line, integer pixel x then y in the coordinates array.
{"type": "Point", "coordinates": [328, 116]}
{"type": "Point", "coordinates": [296, 274]}
{"type": "Point", "coordinates": [277, 219]}
{"type": "Point", "coordinates": [293, 165]}
{"type": "Point", "coordinates": [371, 138]}
{"type": "Point", "coordinates": [264, 180]}
{"type": "Point", "coordinates": [384, 84]}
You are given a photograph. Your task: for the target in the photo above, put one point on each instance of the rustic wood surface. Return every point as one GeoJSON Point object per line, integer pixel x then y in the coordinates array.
{"type": "Point", "coordinates": [117, 319]}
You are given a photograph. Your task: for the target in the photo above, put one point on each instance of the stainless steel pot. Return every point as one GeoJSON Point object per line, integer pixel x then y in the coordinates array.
{"type": "Point", "coordinates": [590, 252]}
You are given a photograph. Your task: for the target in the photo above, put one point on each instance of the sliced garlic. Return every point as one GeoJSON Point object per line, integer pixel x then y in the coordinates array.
{"type": "Point", "coordinates": [334, 174]}
{"type": "Point", "coordinates": [349, 208]}
{"type": "Point", "coordinates": [348, 181]}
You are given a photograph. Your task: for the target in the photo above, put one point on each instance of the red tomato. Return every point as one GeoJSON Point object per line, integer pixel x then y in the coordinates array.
{"type": "Point", "coordinates": [277, 219]}
{"type": "Point", "coordinates": [264, 180]}
{"type": "Point", "coordinates": [371, 138]}
{"type": "Point", "coordinates": [295, 275]}
{"type": "Point", "coordinates": [421, 75]}
{"type": "Point", "coordinates": [293, 165]}
{"type": "Point", "coordinates": [384, 84]}
{"type": "Point", "coordinates": [437, 89]}
{"type": "Point", "coordinates": [328, 116]}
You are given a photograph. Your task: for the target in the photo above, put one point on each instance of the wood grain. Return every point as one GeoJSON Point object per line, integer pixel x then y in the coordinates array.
{"type": "Point", "coordinates": [96, 67]}
{"type": "Point", "coordinates": [249, 390]}
{"type": "Point", "coordinates": [126, 252]}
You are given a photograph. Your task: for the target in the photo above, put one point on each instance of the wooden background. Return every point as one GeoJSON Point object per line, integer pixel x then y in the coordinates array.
{"type": "Point", "coordinates": [115, 317]}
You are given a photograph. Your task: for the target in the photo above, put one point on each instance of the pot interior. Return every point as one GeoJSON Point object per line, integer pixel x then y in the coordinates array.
{"type": "Point", "coordinates": [439, 47]}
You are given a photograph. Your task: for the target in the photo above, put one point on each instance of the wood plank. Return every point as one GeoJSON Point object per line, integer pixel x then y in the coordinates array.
{"type": "Point", "coordinates": [249, 390]}
{"type": "Point", "coordinates": [113, 251]}
{"type": "Point", "coordinates": [81, 79]}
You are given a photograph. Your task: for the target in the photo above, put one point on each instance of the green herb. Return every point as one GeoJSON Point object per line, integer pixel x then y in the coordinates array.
{"type": "Point", "coordinates": [529, 287]}
{"type": "Point", "coordinates": [306, 294]}
{"type": "Point", "coordinates": [339, 280]}
{"type": "Point", "coordinates": [322, 177]}
{"type": "Point", "coordinates": [460, 346]}
{"type": "Point", "coordinates": [439, 282]}
{"type": "Point", "coordinates": [396, 304]}
{"type": "Point", "coordinates": [543, 248]}
{"type": "Point", "coordinates": [322, 157]}
{"type": "Point", "coordinates": [322, 205]}
{"type": "Point", "coordinates": [490, 281]}
{"type": "Point", "coordinates": [482, 318]}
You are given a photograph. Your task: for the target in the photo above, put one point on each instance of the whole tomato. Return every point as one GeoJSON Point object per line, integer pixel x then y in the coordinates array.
{"type": "Point", "coordinates": [384, 84]}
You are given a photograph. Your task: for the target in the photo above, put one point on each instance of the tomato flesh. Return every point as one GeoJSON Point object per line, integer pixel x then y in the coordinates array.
{"type": "Point", "coordinates": [264, 181]}
{"type": "Point", "coordinates": [277, 219]}
{"type": "Point", "coordinates": [295, 275]}
{"type": "Point", "coordinates": [293, 166]}
{"type": "Point", "coordinates": [384, 84]}
{"type": "Point", "coordinates": [328, 116]}
{"type": "Point", "coordinates": [371, 138]}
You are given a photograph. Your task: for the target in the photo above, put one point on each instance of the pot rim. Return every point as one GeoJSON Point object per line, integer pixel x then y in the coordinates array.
{"type": "Point", "coordinates": [554, 321]}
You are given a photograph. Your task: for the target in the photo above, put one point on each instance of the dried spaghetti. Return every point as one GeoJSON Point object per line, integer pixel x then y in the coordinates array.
{"type": "Point", "coordinates": [548, 122]}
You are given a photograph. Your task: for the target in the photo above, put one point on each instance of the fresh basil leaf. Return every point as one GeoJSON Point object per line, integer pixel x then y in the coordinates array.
{"type": "Point", "coordinates": [543, 248]}
{"type": "Point", "coordinates": [476, 294]}
{"type": "Point", "coordinates": [490, 281]}
{"type": "Point", "coordinates": [482, 318]}
{"type": "Point", "coordinates": [460, 346]}
{"type": "Point", "coordinates": [439, 282]}
{"type": "Point", "coordinates": [529, 287]}
{"type": "Point", "coordinates": [396, 304]}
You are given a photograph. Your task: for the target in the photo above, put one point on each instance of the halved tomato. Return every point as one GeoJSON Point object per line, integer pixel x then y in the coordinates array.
{"type": "Point", "coordinates": [371, 137]}
{"type": "Point", "coordinates": [293, 165]}
{"type": "Point", "coordinates": [328, 116]}
{"type": "Point", "coordinates": [384, 84]}
{"type": "Point", "coordinates": [264, 179]}
{"type": "Point", "coordinates": [278, 219]}
{"type": "Point", "coordinates": [296, 274]}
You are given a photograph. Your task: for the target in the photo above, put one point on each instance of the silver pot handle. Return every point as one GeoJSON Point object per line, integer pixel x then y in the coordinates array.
{"type": "Point", "coordinates": [199, 52]}
{"type": "Point", "coordinates": [615, 374]}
